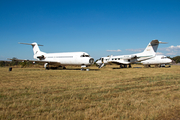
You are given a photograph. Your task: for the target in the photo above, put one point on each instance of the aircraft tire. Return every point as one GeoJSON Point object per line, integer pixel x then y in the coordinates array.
{"type": "Point", "coordinates": [125, 66]}
{"type": "Point", "coordinates": [121, 66]}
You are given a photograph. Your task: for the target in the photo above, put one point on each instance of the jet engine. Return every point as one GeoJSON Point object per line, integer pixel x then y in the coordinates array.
{"type": "Point", "coordinates": [41, 57]}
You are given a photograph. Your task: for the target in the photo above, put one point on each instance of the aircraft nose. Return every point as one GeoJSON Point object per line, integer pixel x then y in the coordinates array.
{"type": "Point", "coordinates": [170, 60]}
{"type": "Point", "coordinates": [91, 60]}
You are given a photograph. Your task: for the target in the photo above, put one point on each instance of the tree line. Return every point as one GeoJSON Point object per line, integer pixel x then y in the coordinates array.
{"type": "Point", "coordinates": [13, 62]}
{"type": "Point", "coordinates": [176, 59]}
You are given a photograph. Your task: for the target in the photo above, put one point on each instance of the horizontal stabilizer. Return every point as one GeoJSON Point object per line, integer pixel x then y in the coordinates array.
{"type": "Point", "coordinates": [30, 44]}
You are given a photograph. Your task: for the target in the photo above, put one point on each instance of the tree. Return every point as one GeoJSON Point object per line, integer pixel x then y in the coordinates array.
{"type": "Point", "coordinates": [14, 62]}
{"type": "Point", "coordinates": [2, 63]}
{"type": "Point", "coordinates": [176, 59]}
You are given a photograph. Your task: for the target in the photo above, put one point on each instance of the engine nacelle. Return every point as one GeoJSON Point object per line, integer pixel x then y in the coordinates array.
{"type": "Point", "coordinates": [40, 57]}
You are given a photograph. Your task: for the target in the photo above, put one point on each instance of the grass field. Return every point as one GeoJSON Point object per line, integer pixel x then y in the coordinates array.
{"type": "Point", "coordinates": [107, 93]}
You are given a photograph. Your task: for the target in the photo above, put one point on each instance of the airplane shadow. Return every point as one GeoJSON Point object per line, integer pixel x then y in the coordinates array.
{"type": "Point", "coordinates": [117, 68]}
{"type": "Point", "coordinates": [125, 68]}
{"type": "Point", "coordinates": [137, 67]}
{"type": "Point", "coordinates": [79, 69]}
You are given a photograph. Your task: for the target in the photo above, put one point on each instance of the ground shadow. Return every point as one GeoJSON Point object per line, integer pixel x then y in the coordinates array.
{"type": "Point", "coordinates": [55, 68]}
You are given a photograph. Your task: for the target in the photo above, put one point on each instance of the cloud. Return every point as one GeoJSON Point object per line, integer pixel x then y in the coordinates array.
{"type": "Point", "coordinates": [171, 50]}
{"type": "Point", "coordinates": [174, 47]}
{"type": "Point", "coordinates": [114, 50]}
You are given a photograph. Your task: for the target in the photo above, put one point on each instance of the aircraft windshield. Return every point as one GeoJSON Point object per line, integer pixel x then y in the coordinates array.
{"type": "Point", "coordinates": [85, 55]}
{"type": "Point", "coordinates": [163, 57]}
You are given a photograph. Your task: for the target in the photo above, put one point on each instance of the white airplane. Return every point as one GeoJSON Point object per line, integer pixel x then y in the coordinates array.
{"type": "Point", "coordinates": [158, 60]}
{"type": "Point", "coordinates": [82, 59]}
{"type": "Point", "coordinates": [125, 60]}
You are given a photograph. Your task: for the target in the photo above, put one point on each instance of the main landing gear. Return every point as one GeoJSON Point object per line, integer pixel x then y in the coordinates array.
{"type": "Point", "coordinates": [46, 66]}
{"type": "Point", "coordinates": [82, 68]}
{"type": "Point", "coordinates": [125, 65]}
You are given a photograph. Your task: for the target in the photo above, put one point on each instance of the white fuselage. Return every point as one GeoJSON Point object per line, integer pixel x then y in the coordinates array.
{"type": "Point", "coordinates": [60, 59]}
{"type": "Point", "coordinates": [128, 59]}
{"type": "Point", "coordinates": [124, 59]}
{"type": "Point", "coordinates": [67, 58]}
{"type": "Point", "coordinates": [159, 59]}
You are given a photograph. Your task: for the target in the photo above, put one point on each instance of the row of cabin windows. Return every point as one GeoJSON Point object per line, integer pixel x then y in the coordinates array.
{"type": "Point", "coordinates": [115, 58]}
{"type": "Point", "coordinates": [66, 56]}
{"type": "Point", "coordinates": [59, 56]}
{"type": "Point", "coordinates": [119, 59]}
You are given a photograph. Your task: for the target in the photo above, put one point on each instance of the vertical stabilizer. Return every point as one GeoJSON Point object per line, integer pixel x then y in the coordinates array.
{"type": "Point", "coordinates": [151, 48]}
{"type": "Point", "coordinates": [36, 49]}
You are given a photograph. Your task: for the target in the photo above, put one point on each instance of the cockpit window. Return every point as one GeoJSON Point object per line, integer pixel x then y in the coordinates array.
{"type": "Point", "coordinates": [85, 55]}
{"type": "Point", "coordinates": [163, 57]}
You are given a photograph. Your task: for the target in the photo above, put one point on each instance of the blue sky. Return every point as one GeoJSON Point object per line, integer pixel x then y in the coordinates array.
{"type": "Point", "coordinates": [98, 27]}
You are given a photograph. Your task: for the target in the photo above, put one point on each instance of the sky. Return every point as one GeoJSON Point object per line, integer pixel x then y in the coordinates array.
{"type": "Point", "coordinates": [98, 27]}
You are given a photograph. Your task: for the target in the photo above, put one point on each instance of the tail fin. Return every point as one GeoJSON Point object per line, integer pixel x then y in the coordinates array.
{"type": "Point", "coordinates": [152, 47]}
{"type": "Point", "coordinates": [36, 49]}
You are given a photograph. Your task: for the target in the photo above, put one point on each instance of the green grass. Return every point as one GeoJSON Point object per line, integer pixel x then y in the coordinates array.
{"type": "Point", "coordinates": [107, 93]}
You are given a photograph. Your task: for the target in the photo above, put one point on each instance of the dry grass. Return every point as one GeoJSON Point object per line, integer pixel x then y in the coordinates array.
{"type": "Point", "coordinates": [132, 93]}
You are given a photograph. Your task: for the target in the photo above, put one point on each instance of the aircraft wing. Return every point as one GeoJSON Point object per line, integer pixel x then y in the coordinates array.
{"type": "Point", "coordinates": [119, 63]}
{"type": "Point", "coordinates": [35, 61]}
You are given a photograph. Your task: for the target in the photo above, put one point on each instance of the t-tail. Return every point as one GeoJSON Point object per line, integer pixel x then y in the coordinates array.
{"type": "Point", "coordinates": [151, 48]}
{"type": "Point", "coordinates": [36, 50]}
{"type": "Point", "coordinates": [150, 51]}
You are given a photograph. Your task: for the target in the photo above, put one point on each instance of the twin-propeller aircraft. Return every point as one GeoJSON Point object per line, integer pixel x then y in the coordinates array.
{"type": "Point", "coordinates": [124, 60]}
{"type": "Point", "coordinates": [83, 59]}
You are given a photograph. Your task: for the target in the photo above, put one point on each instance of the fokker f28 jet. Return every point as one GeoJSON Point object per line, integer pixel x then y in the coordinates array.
{"type": "Point", "coordinates": [125, 60]}
{"type": "Point", "coordinates": [82, 59]}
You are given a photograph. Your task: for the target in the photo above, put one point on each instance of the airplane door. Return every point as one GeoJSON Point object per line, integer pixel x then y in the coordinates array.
{"type": "Point", "coordinates": [102, 60]}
